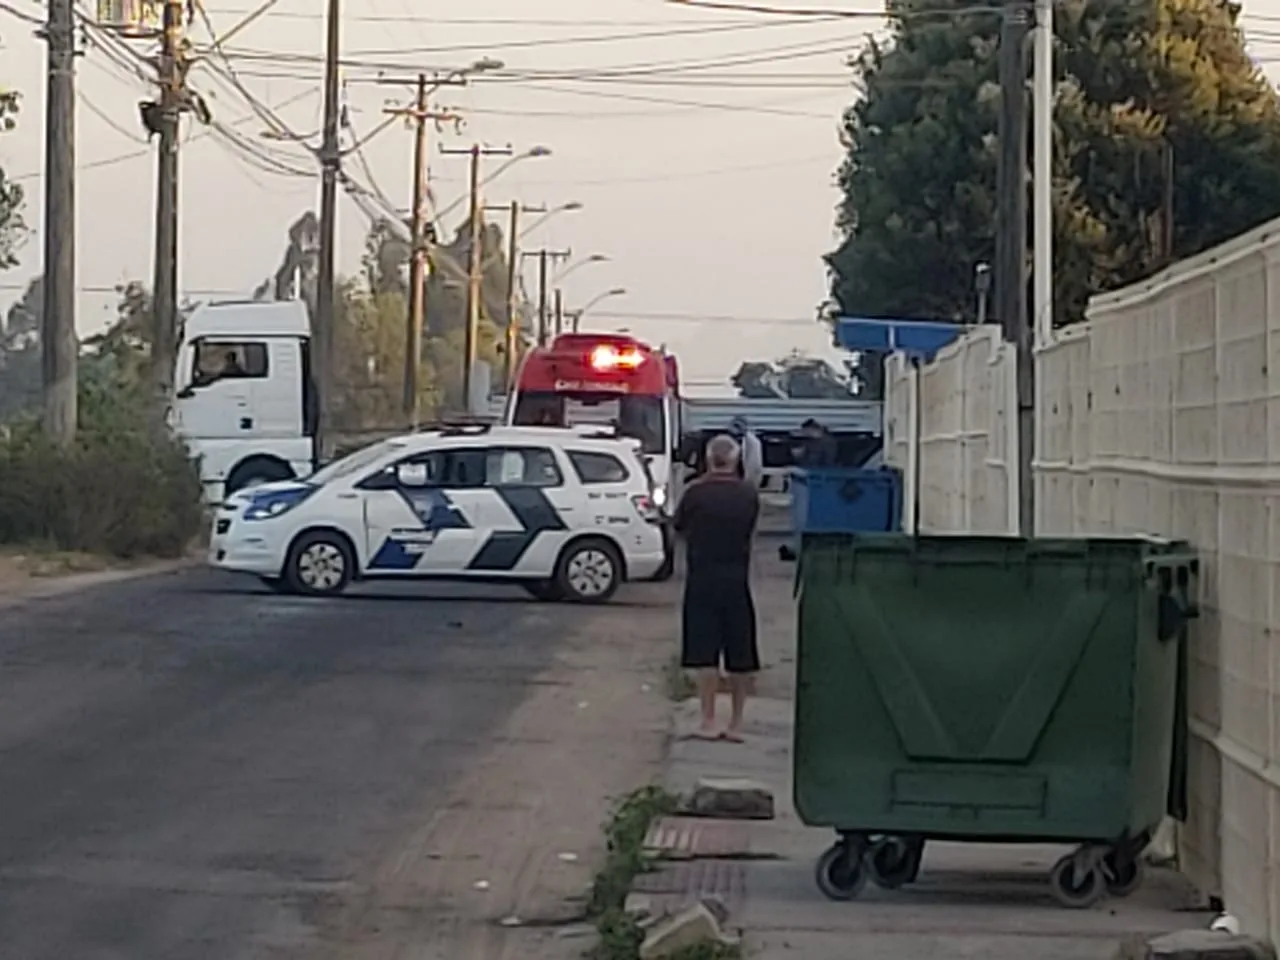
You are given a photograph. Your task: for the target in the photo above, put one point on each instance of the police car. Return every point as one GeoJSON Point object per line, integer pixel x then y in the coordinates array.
{"type": "Point", "coordinates": [567, 514]}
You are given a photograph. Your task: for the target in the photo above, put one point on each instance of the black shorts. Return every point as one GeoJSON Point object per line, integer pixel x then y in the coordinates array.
{"type": "Point", "coordinates": [719, 626]}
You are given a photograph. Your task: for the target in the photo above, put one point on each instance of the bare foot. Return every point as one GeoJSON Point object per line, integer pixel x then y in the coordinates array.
{"type": "Point", "coordinates": [705, 733]}
{"type": "Point", "coordinates": [733, 736]}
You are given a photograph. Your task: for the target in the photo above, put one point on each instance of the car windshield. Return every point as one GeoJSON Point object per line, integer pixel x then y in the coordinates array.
{"type": "Point", "coordinates": [638, 417]}
{"type": "Point", "coordinates": [354, 462]}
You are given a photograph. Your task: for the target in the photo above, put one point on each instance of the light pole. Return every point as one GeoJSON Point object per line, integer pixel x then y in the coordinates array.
{"type": "Point", "coordinates": [578, 314]}
{"type": "Point", "coordinates": [532, 153]}
{"type": "Point", "coordinates": [579, 264]}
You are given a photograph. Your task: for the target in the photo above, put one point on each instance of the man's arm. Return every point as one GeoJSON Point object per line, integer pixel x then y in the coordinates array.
{"type": "Point", "coordinates": [680, 520]}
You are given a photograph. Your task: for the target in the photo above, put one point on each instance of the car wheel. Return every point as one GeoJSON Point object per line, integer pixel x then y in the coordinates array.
{"type": "Point", "coordinates": [320, 563]}
{"type": "Point", "coordinates": [589, 571]}
{"type": "Point", "coordinates": [546, 590]}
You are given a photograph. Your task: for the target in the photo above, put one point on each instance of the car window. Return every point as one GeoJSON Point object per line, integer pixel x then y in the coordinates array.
{"type": "Point", "coordinates": [598, 467]}
{"type": "Point", "coordinates": [226, 360]}
{"type": "Point", "coordinates": [354, 462]}
{"type": "Point", "coordinates": [442, 468]}
{"type": "Point", "coordinates": [522, 466]}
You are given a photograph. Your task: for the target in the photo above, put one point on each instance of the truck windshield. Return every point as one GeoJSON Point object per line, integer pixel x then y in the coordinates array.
{"type": "Point", "coordinates": [353, 462]}
{"type": "Point", "coordinates": [638, 417]}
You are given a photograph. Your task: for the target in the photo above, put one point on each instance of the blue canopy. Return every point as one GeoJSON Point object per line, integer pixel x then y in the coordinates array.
{"type": "Point", "coordinates": [921, 339]}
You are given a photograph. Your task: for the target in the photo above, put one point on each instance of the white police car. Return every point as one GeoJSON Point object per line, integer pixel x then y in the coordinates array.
{"type": "Point", "coordinates": [567, 514]}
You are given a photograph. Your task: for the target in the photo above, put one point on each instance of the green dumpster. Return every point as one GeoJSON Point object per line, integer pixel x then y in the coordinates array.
{"type": "Point", "coordinates": [991, 689]}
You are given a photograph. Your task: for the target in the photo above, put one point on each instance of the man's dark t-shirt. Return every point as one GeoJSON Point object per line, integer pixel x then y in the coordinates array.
{"type": "Point", "coordinates": [718, 519]}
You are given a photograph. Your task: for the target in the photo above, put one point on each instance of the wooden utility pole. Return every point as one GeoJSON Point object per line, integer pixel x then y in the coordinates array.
{"type": "Point", "coordinates": [58, 342]}
{"type": "Point", "coordinates": [475, 254]}
{"type": "Point", "coordinates": [1011, 239]}
{"type": "Point", "coordinates": [330, 166]}
{"type": "Point", "coordinates": [559, 308]}
{"type": "Point", "coordinates": [512, 333]}
{"type": "Point", "coordinates": [545, 259]}
{"type": "Point", "coordinates": [419, 114]}
{"type": "Point", "coordinates": [164, 119]}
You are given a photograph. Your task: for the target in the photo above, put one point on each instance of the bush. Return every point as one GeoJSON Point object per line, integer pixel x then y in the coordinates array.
{"type": "Point", "coordinates": [124, 488]}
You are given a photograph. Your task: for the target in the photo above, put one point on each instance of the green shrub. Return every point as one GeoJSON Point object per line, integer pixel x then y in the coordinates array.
{"type": "Point", "coordinates": [126, 487]}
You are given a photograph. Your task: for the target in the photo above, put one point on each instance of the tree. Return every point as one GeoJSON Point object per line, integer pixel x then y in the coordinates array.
{"type": "Point", "coordinates": [1140, 81]}
{"type": "Point", "coordinates": [12, 227]}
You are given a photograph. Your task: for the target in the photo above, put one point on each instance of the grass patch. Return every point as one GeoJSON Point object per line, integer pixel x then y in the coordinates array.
{"type": "Point", "coordinates": [620, 935]}
{"type": "Point", "coordinates": [679, 683]}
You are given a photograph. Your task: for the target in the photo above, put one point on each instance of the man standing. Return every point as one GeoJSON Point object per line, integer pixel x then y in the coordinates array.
{"type": "Point", "coordinates": [751, 451]}
{"type": "Point", "coordinates": [819, 448]}
{"type": "Point", "coordinates": [717, 517]}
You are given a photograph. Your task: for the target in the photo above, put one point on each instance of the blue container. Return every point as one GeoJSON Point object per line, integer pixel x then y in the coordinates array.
{"type": "Point", "coordinates": [846, 500]}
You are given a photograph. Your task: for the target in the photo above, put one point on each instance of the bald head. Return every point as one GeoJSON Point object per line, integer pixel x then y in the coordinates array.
{"type": "Point", "coordinates": [723, 454]}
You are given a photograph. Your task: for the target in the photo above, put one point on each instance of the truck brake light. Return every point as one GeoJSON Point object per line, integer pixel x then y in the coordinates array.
{"type": "Point", "coordinates": [607, 357]}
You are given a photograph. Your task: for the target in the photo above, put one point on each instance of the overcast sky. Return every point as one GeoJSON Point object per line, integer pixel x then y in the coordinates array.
{"type": "Point", "coordinates": [705, 172]}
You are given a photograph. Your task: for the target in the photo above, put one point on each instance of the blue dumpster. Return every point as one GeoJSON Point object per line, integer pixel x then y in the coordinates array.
{"type": "Point", "coordinates": [846, 500]}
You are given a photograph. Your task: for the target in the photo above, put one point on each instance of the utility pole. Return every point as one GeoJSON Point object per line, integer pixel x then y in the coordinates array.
{"type": "Point", "coordinates": [475, 254]}
{"type": "Point", "coordinates": [575, 317]}
{"type": "Point", "coordinates": [545, 259]}
{"type": "Point", "coordinates": [164, 118]}
{"type": "Point", "coordinates": [330, 164]}
{"type": "Point", "coordinates": [512, 333]}
{"type": "Point", "coordinates": [419, 114]}
{"type": "Point", "coordinates": [1011, 240]}
{"type": "Point", "coordinates": [559, 301]}
{"type": "Point", "coordinates": [58, 342]}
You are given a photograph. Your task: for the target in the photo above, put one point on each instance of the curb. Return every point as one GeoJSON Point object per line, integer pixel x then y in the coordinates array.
{"type": "Point", "coordinates": [47, 588]}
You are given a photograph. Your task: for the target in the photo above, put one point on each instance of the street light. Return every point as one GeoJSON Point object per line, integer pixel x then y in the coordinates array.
{"type": "Point", "coordinates": [573, 206]}
{"type": "Point", "coordinates": [578, 264]}
{"type": "Point", "coordinates": [531, 154]}
{"type": "Point", "coordinates": [578, 314]}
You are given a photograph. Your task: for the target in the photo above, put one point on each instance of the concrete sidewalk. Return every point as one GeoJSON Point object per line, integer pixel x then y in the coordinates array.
{"type": "Point", "coordinates": [971, 900]}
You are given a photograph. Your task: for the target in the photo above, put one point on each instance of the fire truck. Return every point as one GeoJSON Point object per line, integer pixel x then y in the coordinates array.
{"type": "Point", "coordinates": [607, 380]}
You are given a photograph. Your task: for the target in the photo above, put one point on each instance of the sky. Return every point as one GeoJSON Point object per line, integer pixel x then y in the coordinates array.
{"type": "Point", "coordinates": [702, 145]}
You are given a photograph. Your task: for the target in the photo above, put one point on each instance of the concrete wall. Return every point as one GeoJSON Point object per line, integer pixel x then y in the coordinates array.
{"type": "Point", "coordinates": [1161, 415]}
{"type": "Point", "coordinates": [968, 433]}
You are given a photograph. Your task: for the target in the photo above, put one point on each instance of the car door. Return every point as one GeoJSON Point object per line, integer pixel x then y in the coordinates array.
{"type": "Point", "coordinates": [528, 516]}
{"type": "Point", "coordinates": [422, 513]}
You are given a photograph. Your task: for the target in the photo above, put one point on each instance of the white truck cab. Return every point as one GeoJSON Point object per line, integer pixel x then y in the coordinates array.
{"type": "Point", "coordinates": [245, 402]}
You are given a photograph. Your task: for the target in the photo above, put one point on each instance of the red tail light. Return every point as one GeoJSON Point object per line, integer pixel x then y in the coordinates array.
{"type": "Point", "coordinates": [647, 509]}
{"type": "Point", "coordinates": [608, 357]}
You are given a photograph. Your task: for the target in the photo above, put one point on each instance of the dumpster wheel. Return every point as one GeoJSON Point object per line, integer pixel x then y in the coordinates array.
{"type": "Point", "coordinates": [841, 873]}
{"type": "Point", "coordinates": [1077, 884]}
{"type": "Point", "coordinates": [1124, 875]}
{"type": "Point", "coordinates": [895, 861]}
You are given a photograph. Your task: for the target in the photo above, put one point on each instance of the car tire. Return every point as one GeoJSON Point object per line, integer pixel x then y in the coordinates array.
{"type": "Point", "coordinates": [589, 571]}
{"type": "Point", "coordinates": [548, 591]}
{"type": "Point", "coordinates": [321, 563]}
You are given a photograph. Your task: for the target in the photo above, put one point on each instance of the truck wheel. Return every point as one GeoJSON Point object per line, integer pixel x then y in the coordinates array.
{"type": "Point", "coordinates": [255, 472]}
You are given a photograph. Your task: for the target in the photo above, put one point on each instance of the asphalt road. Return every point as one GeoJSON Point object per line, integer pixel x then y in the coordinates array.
{"type": "Point", "coordinates": [191, 768]}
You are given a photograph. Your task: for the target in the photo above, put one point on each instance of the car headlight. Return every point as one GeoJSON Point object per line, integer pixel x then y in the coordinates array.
{"type": "Point", "coordinates": [266, 506]}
